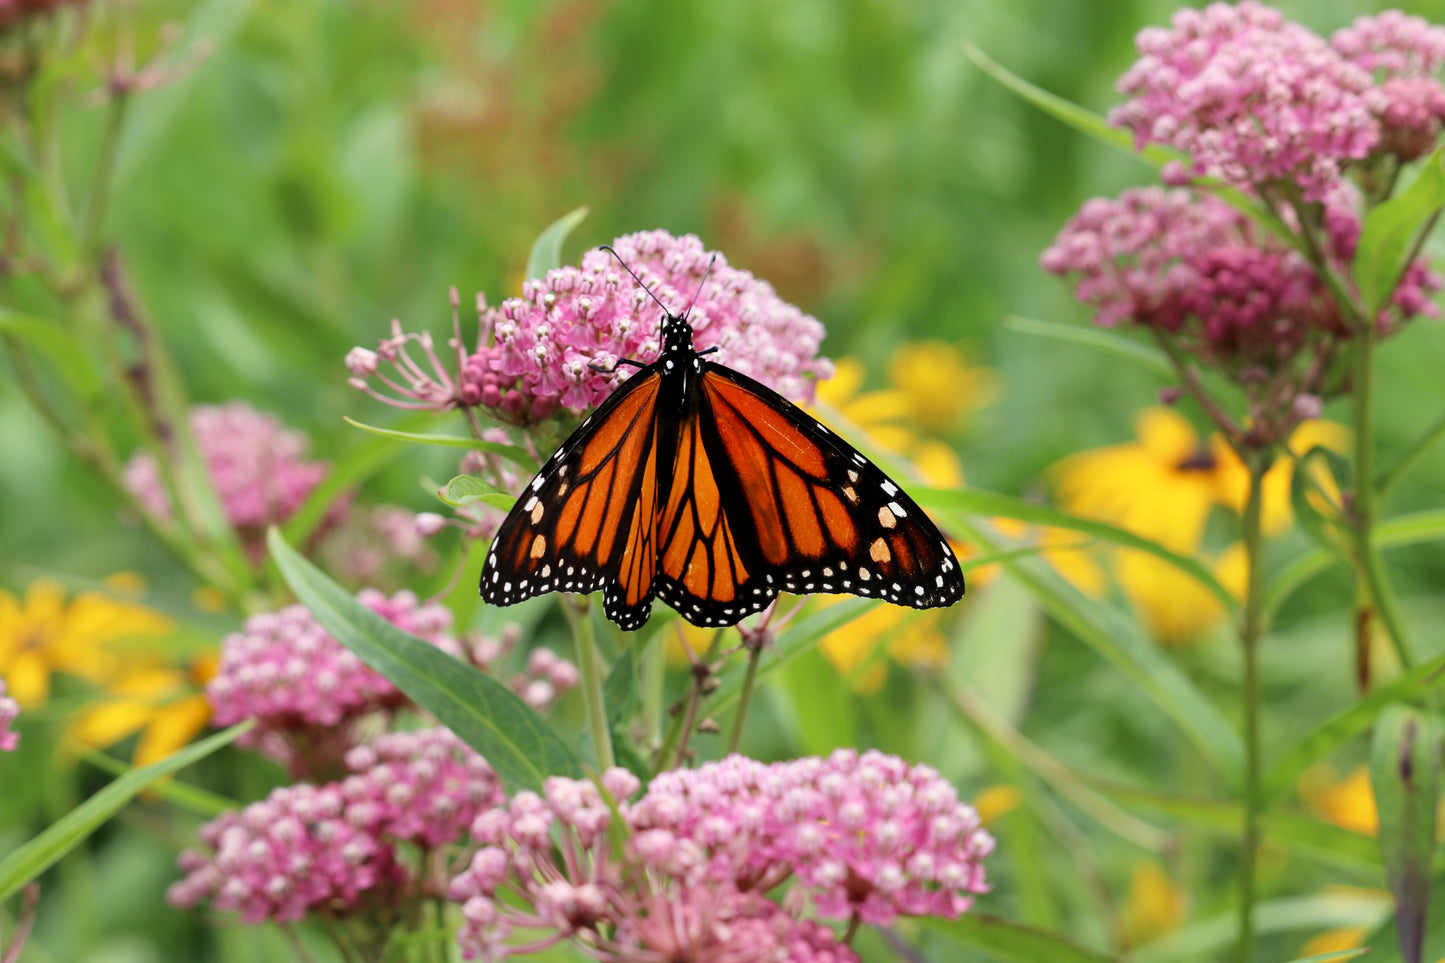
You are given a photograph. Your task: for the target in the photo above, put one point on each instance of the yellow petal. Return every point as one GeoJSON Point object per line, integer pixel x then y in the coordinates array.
{"type": "Point", "coordinates": [1153, 906]}
{"type": "Point", "coordinates": [1175, 607]}
{"type": "Point", "coordinates": [172, 728]}
{"type": "Point", "coordinates": [994, 802]}
{"type": "Point", "coordinates": [110, 722]}
{"type": "Point", "coordinates": [937, 464]}
{"type": "Point", "coordinates": [27, 679]}
{"type": "Point", "coordinates": [846, 381]}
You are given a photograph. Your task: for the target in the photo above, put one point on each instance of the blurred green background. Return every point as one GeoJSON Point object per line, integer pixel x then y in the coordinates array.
{"type": "Point", "coordinates": [330, 165]}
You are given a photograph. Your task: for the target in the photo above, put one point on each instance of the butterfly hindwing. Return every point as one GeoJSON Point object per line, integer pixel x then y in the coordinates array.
{"type": "Point", "coordinates": [765, 499]}
{"type": "Point", "coordinates": [587, 520]}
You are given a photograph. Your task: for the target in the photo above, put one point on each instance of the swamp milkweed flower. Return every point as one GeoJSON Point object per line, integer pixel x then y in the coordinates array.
{"type": "Point", "coordinates": [867, 836]}
{"type": "Point", "coordinates": [335, 847]}
{"type": "Point", "coordinates": [44, 633]}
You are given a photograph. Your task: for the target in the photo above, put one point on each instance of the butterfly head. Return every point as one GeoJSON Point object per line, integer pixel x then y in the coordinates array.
{"type": "Point", "coordinates": [676, 334]}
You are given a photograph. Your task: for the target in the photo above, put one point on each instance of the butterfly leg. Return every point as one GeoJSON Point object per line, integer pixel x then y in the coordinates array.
{"type": "Point", "coordinates": [707, 351]}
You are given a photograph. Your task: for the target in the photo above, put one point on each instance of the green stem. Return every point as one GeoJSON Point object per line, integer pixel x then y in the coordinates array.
{"type": "Point", "coordinates": [593, 703]}
{"type": "Point", "coordinates": [745, 697]}
{"type": "Point", "coordinates": [98, 203]}
{"type": "Point", "coordinates": [654, 677]}
{"type": "Point", "coordinates": [1374, 595]}
{"type": "Point", "coordinates": [1249, 637]}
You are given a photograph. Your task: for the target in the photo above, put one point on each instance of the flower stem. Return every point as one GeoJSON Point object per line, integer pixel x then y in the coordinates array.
{"type": "Point", "coordinates": [1249, 637]}
{"type": "Point", "coordinates": [755, 653]}
{"type": "Point", "coordinates": [593, 703]}
{"type": "Point", "coordinates": [1375, 596]}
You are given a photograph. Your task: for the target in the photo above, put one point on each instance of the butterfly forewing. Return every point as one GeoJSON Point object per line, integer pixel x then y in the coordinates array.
{"type": "Point", "coordinates": [797, 509]}
{"type": "Point", "coordinates": [586, 522]}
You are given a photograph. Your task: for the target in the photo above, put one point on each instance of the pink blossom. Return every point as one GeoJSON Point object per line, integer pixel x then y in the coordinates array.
{"type": "Point", "coordinates": [334, 847]}
{"type": "Point", "coordinates": [304, 688]}
{"type": "Point", "coordinates": [549, 338]}
{"type": "Point", "coordinates": [292, 853]}
{"type": "Point", "coordinates": [258, 468]}
{"type": "Point", "coordinates": [1393, 43]}
{"type": "Point", "coordinates": [867, 836]}
{"type": "Point", "coordinates": [1252, 98]}
{"type": "Point", "coordinates": [380, 546]}
{"type": "Point", "coordinates": [9, 712]}
{"type": "Point", "coordinates": [1191, 264]}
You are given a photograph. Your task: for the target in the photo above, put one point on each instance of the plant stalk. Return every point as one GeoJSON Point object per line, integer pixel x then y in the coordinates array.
{"type": "Point", "coordinates": [593, 703]}
{"type": "Point", "coordinates": [1249, 636]}
{"type": "Point", "coordinates": [745, 697]}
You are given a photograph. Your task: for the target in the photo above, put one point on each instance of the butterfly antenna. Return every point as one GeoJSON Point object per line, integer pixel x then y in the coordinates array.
{"type": "Point", "coordinates": [608, 249]}
{"type": "Point", "coordinates": [699, 287]}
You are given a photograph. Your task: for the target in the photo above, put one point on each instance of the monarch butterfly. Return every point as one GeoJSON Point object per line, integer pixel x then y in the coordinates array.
{"type": "Point", "coordinates": [697, 485]}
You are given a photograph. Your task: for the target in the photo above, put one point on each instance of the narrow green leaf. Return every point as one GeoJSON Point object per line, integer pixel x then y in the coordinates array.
{"type": "Point", "coordinates": [1394, 532]}
{"type": "Point", "coordinates": [1099, 338]}
{"type": "Point", "coordinates": [1331, 957]}
{"type": "Point", "coordinates": [489, 717]}
{"type": "Point", "coordinates": [1315, 523]}
{"type": "Point", "coordinates": [546, 252]}
{"type": "Point", "coordinates": [1405, 776]}
{"type": "Point", "coordinates": [465, 489]}
{"type": "Point", "coordinates": [1346, 725]}
{"type": "Point", "coordinates": [70, 830]}
{"type": "Point", "coordinates": [513, 453]}
{"type": "Point", "coordinates": [1390, 230]}
{"type": "Point", "coordinates": [1081, 119]}
{"type": "Point", "coordinates": [1003, 940]}
{"type": "Point", "coordinates": [201, 802]}
{"type": "Point", "coordinates": [974, 501]}
{"type": "Point", "coordinates": [1117, 638]}
{"type": "Point", "coordinates": [347, 474]}
{"type": "Point", "coordinates": [1213, 936]}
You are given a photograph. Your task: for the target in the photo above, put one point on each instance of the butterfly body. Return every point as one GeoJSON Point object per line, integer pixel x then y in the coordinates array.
{"type": "Point", "coordinates": [697, 485]}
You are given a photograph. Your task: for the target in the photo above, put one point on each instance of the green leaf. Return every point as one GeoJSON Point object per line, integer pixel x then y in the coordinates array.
{"type": "Point", "coordinates": [1330, 957]}
{"type": "Point", "coordinates": [1213, 936]}
{"type": "Point", "coordinates": [1394, 532]}
{"type": "Point", "coordinates": [1346, 725]}
{"type": "Point", "coordinates": [513, 453]}
{"type": "Point", "coordinates": [974, 501]}
{"type": "Point", "coordinates": [1104, 340]}
{"type": "Point", "coordinates": [465, 489]}
{"type": "Point", "coordinates": [1316, 523]}
{"type": "Point", "coordinates": [1405, 776]}
{"type": "Point", "coordinates": [1003, 940]}
{"type": "Point", "coordinates": [619, 691]}
{"type": "Point", "coordinates": [546, 252]}
{"type": "Point", "coordinates": [1390, 230]}
{"type": "Point", "coordinates": [201, 802]}
{"type": "Point", "coordinates": [70, 830]}
{"type": "Point", "coordinates": [1081, 119]}
{"type": "Point", "coordinates": [489, 717]}
{"type": "Point", "coordinates": [1118, 639]}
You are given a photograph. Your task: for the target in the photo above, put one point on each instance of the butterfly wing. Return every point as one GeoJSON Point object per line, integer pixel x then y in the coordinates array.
{"type": "Point", "coordinates": [587, 521]}
{"type": "Point", "coordinates": [763, 499]}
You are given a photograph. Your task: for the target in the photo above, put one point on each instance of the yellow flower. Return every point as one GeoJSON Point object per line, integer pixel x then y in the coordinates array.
{"type": "Point", "coordinates": [1348, 803]}
{"type": "Point", "coordinates": [995, 802]}
{"type": "Point", "coordinates": [938, 384]}
{"type": "Point", "coordinates": [166, 705]}
{"type": "Point", "coordinates": [1067, 551]}
{"type": "Point", "coordinates": [1336, 941]}
{"type": "Point", "coordinates": [1276, 512]}
{"type": "Point", "coordinates": [1161, 487]}
{"type": "Point", "coordinates": [43, 634]}
{"type": "Point", "coordinates": [1153, 906]}
{"type": "Point", "coordinates": [914, 638]}
{"type": "Point", "coordinates": [1174, 606]}
{"type": "Point", "coordinates": [874, 413]}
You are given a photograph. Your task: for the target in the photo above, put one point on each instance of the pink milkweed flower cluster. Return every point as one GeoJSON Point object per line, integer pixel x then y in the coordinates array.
{"type": "Point", "coordinates": [306, 691]}
{"type": "Point", "coordinates": [1254, 99]}
{"type": "Point", "coordinates": [9, 712]}
{"type": "Point", "coordinates": [258, 467]}
{"type": "Point", "coordinates": [1190, 263]}
{"type": "Point", "coordinates": [1404, 53]}
{"type": "Point", "coordinates": [866, 837]}
{"type": "Point", "coordinates": [535, 354]}
{"type": "Point", "coordinates": [334, 848]}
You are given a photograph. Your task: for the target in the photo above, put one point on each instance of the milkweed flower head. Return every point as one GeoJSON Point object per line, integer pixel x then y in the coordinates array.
{"type": "Point", "coordinates": [9, 712]}
{"type": "Point", "coordinates": [336, 848]}
{"type": "Point", "coordinates": [258, 467]}
{"type": "Point", "coordinates": [1254, 99]}
{"type": "Point", "coordinates": [1404, 53]}
{"type": "Point", "coordinates": [596, 313]}
{"type": "Point", "coordinates": [866, 837]}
